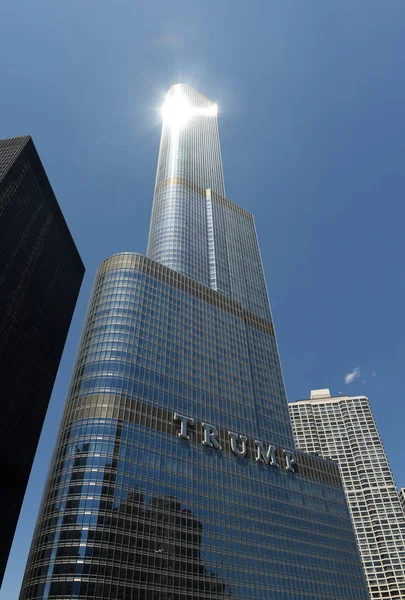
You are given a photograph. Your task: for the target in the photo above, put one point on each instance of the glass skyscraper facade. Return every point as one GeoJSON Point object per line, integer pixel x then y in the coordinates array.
{"type": "Point", "coordinates": [40, 276]}
{"type": "Point", "coordinates": [175, 474]}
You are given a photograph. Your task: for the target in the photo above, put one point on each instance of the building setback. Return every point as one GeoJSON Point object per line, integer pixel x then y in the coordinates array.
{"type": "Point", "coordinates": [175, 475]}
{"type": "Point", "coordinates": [402, 498]}
{"type": "Point", "coordinates": [343, 429]}
{"type": "Point", "coordinates": [40, 277]}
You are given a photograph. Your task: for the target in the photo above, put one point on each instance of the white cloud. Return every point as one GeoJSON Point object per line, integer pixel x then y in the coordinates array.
{"type": "Point", "coordinates": [350, 377]}
{"type": "Point", "coordinates": [373, 374]}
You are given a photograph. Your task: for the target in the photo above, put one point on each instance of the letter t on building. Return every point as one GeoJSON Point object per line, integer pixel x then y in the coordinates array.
{"type": "Point", "coordinates": [184, 421]}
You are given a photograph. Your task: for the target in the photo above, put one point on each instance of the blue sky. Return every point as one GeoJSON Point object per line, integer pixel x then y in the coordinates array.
{"type": "Point", "coordinates": [311, 102]}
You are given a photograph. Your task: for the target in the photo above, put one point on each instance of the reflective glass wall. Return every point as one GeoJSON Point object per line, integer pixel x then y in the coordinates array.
{"type": "Point", "coordinates": [174, 475]}
{"type": "Point", "coordinates": [134, 511]}
{"type": "Point", "coordinates": [194, 228]}
{"type": "Point", "coordinates": [40, 278]}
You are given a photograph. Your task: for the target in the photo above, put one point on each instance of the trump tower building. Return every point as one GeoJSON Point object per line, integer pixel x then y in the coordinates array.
{"type": "Point", "coordinates": [175, 474]}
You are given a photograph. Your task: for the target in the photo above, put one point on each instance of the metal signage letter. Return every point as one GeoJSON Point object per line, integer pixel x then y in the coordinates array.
{"type": "Point", "coordinates": [238, 443]}
{"type": "Point", "coordinates": [290, 460]}
{"type": "Point", "coordinates": [268, 457]}
{"type": "Point", "coordinates": [183, 425]}
{"type": "Point", "coordinates": [210, 436]}
{"type": "Point", "coordinates": [234, 446]}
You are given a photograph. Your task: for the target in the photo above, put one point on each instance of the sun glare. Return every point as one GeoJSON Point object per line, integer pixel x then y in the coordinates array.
{"type": "Point", "coordinates": [177, 110]}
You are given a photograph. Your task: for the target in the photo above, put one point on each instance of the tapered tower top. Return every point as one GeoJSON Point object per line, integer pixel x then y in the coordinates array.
{"type": "Point", "coordinates": [195, 229]}
{"type": "Point", "coordinates": [189, 146]}
{"type": "Point", "coordinates": [184, 103]}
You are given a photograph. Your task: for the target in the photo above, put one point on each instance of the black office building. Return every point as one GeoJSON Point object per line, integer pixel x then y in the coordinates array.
{"type": "Point", "coordinates": [40, 277]}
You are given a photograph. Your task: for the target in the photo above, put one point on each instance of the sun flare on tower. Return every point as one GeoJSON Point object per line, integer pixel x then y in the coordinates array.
{"type": "Point", "coordinates": [177, 110]}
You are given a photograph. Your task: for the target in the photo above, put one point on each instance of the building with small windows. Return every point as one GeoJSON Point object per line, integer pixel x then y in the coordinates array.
{"type": "Point", "coordinates": [175, 475]}
{"type": "Point", "coordinates": [343, 429]}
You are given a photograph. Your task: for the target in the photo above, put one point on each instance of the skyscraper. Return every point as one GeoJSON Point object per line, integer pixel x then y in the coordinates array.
{"type": "Point", "coordinates": [343, 428]}
{"type": "Point", "coordinates": [40, 277]}
{"type": "Point", "coordinates": [175, 474]}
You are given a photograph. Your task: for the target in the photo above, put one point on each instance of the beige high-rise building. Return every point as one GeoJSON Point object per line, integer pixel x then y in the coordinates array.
{"type": "Point", "coordinates": [343, 428]}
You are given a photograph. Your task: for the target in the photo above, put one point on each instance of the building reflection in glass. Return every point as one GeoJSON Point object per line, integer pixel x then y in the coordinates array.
{"type": "Point", "coordinates": [167, 544]}
{"type": "Point", "coordinates": [129, 516]}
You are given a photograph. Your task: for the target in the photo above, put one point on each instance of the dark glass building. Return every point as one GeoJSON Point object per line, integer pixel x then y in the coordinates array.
{"type": "Point", "coordinates": [40, 277]}
{"type": "Point", "coordinates": [175, 474]}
